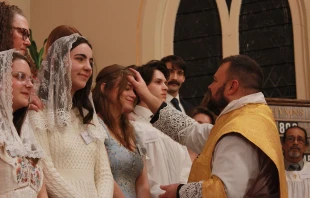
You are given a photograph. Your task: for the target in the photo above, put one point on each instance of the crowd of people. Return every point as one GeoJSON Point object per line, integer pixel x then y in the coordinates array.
{"type": "Point", "coordinates": [132, 135]}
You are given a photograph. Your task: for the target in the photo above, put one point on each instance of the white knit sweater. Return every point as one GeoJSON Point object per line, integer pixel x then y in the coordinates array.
{"type": "Point", "coordinates": [71, 167]}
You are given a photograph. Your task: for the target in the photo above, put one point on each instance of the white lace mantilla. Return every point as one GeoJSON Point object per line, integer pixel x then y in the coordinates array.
{"type": "Point", "coordinates": [172, 121]}
{"type": "Point", "coordinates": [191, 190]}
{"type": "Point", "coordinates": [24, 145]}
{"type": "Point", "coordinates": [55, 87]}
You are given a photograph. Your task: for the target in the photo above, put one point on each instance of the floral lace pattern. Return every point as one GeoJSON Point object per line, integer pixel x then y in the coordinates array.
{"type": "Point", "coordinates": [17, 146]}
{"type": "Point", "coordinates": [54, 90]}
{"type": "Point", "coordinates": [21, 170]}
{"type": "Point", "coordinates": [191, 190]}
{"type": "Point", "coordinates": [55, 85]}
{"type": "Point", "coordinates": [172, 122]}
{"type": "Point", "coordinates": [28, 172]}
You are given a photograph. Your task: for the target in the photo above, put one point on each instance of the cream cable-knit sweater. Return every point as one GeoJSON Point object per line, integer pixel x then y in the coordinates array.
{"type": "Point", "coordinates": [71, 167]}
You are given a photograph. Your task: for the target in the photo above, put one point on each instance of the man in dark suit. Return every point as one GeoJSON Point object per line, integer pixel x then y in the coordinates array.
{"type": "Point", "coordinates": [177, 69]}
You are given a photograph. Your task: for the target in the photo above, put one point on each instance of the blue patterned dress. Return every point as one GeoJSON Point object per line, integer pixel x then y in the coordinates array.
{"type": "Point", "coordinates": [126, 165]}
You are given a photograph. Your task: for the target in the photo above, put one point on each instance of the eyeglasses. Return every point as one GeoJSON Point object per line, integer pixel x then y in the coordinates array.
{"type": "Point", "coordinates": [23, 31]}
{"type": "Point", "coordinates": [292, 139]}
{"type": "Point", "coordinates": [23, 78]}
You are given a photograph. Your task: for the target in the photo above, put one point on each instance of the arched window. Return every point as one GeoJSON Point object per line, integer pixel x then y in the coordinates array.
{"type": "Point", "coordinates": [266, 35]}
{"type": "Point", "coordinates": [198, 40]}
{"type": "Point", "coordinates": [204, 31]}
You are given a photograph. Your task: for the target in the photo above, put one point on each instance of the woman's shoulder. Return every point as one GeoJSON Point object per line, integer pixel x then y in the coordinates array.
{"type": "Point", "coordinates": [97, 129]}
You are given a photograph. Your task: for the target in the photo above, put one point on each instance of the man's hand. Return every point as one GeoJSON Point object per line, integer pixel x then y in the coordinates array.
{"type": "Point", "coordinates": [142, 90]}
{"type": "Point", "coordinates": [35, 103]}
{"type": "Point", "coordinates": [171, 191]}
{"type": "Point", "coordinates": [139, 84]}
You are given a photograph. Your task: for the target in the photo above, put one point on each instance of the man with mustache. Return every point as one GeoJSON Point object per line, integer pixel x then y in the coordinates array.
{"type": "Point", "coordinates": [240, 156]}
{"type": "Point", "coordinates": [177, 68]}
{"type": "Point", "coordinates": [294, 144]}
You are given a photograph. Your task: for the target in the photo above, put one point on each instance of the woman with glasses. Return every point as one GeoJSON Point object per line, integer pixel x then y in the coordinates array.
{"type": "Point", "coordinates": [20, 156]}
{"type": "Point", "coordinates": [114, 98]}
{"type": "Point", "coordinates": [76, 162]}
{"type": "Point", "coordinates": [294, 145]}
{"type": "Point", "coordinates": [14, 34]}
{"type": "Point", "coordinates": [14, 28]}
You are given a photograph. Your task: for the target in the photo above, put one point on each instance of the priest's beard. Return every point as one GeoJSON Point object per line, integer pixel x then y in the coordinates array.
{"type": "Point", "coordinates": [216, 105]}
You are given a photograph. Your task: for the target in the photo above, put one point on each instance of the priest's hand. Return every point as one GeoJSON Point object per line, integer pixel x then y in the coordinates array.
{"type": "Point", "coordinates": [171, 191]}
{"type": "Point", "coordinates": [142, 90]}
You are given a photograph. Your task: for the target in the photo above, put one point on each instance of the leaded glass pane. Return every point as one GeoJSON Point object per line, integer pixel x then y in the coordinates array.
{"type": "Point", "coordinates": [198, 40]}
{"type": "Point", "coordinates": [265, 32]}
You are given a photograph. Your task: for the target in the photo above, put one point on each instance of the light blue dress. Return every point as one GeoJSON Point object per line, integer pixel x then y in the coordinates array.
{"type": "Point", "coordinates": [126, 165]}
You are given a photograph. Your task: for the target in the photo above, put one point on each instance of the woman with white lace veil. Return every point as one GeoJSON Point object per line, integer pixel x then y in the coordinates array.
{"type": "Point", "coordinates": [20, 164]}
{"type": "Point", "coordinates": [76, 162]}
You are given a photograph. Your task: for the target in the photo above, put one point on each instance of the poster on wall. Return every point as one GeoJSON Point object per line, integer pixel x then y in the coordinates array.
{"type": "Point", "coordinates": [291, 112]}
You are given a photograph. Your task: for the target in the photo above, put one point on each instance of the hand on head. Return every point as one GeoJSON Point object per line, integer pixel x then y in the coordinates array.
{"type": "Point", "coordinates": [142, 90]}
{"type": "Point", "coordinates": [139, 84]}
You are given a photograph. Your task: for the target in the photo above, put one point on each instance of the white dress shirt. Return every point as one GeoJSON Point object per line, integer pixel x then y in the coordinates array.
{"type": "Point", "coordinates": [168, 162]}
{"type": "Point", "coordinates": [170, 97]}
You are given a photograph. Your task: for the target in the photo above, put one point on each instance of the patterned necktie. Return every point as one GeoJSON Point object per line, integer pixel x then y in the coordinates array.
{"type": "Point", "coordinates": [175, 103]}
{"type": "Point", "coordinates": [294, 167]}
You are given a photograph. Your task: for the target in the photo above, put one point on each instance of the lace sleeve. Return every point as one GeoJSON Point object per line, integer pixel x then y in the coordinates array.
{"type": "Point", "coordinates": [103, 176]}
{"type": "Point", "coordinates": [191, 190]}
{"type": "Point", "coordinates": [173, 122]}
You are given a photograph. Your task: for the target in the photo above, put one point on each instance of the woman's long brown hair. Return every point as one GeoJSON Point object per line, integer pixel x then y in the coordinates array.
{"type": "Point", "coordinates": [115, 76]}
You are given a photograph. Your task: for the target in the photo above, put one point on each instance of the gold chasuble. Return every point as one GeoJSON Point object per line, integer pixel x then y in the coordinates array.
{"type": "Point", "coordinates": [255, 122]}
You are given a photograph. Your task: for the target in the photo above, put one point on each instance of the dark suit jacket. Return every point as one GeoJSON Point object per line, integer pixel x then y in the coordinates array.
{"type": "Point", "coordinates": [188, 107]}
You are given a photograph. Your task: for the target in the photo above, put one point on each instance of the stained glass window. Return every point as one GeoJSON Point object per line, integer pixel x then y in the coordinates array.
{"type": "Point", "coordinates": [266, 35]}
{"type": "Point", "coordinates": [198, 40]}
